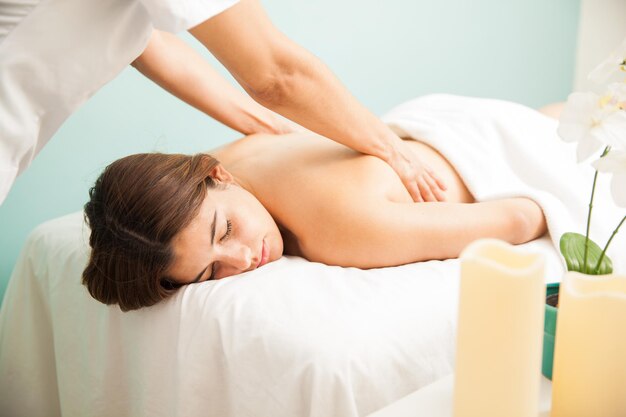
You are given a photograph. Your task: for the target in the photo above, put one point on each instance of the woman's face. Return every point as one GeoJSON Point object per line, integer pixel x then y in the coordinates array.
{"type": "Point", "coordinates": [232, 233]}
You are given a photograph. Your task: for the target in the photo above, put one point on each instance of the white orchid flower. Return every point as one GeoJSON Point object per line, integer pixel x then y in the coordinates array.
{"type": "Point", "coordinates": [613, 65]}
{"type": "Point", "coordinates": [592, 121]}
{"type": "Point", "coordinates": [615, 163]}
{"type": "Point", "coordinates": [615, 103]}
{"type": "Point", "coordinates": [617, 94]}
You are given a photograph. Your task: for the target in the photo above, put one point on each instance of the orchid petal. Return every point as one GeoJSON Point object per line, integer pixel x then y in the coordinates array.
{"type": "Point", "coordinates": [618, 189]}
{"type": "Point", "coordinates": [572, 132]}
{"type": "Point", "coordinates": [614, 161]}
{"type": "Point", "coordinates": [575, 120]}
{"type": "Point", "coordinates": [617, 92]}
{"type": "Point", "coordinates": [609, 66]}
{"type": "Point", "coordinates": [587, 147]}
{"type": "Point", "coordinates": [612, 130]}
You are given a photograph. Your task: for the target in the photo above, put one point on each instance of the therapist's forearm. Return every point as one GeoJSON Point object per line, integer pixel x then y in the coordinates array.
{"type": "Point", "coordinates": [288, 79]}
{"type": "Point", "coordinates": [312, 96]}
{"type": "Point", "coordinates": [179, 69]}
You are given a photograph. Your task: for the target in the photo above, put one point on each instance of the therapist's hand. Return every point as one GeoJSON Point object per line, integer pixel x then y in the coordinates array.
{"type": "Point", "coordinates": [419, 179]}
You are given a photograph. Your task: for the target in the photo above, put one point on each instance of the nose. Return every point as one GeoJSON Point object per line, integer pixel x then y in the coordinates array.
{"type": "Point", "coordinates": [235, 258]}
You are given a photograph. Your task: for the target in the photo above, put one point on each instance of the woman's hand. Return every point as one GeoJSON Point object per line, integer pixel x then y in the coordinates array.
{"type": "Point", "coordinates": [419, 179]}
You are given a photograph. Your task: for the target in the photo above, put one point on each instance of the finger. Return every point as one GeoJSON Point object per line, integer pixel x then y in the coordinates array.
{"type": "Point", "coordinates": [434, 187]}
{"type": "Point", "coordinates": [414, 191]}
{"type": "Point", "coordinates": [437, 179]}
{"type": "Point", "coordinates": [427, 195]}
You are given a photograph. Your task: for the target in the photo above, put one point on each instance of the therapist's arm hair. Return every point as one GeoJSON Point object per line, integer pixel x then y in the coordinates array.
{"type": "Point", "coordinates": [179, 69]}
{"type": "Point", "coordinates": [286, 78]}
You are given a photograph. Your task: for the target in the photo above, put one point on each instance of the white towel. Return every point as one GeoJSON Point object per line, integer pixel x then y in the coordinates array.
{"type": "Point", "coordinates": [502, 149]}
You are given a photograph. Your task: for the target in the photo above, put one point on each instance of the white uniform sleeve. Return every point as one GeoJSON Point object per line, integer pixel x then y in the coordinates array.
{"type": "Point", "coordinates": [51, 61]}
{"type": "Point", "coordinates": [179, 15]}
{"type": "Point", "coordinates": [43, 81]}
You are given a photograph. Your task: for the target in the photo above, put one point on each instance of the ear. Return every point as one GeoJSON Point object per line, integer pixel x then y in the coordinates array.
{"type": "Point", "coordinates": [220, 174]}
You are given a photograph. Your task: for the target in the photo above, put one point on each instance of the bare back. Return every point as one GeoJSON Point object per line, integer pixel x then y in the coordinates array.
{"type": "Point", "coordinates": [272, 163]}
{"type": "Point", "coordinates": [312, 185]}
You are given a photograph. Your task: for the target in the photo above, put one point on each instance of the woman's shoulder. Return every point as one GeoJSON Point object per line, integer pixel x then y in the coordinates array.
{"type": "Point", "coordinates": [239, 149]}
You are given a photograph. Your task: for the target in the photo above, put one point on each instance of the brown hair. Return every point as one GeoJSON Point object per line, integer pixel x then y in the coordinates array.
{"type": "Point", "coordinates": [136, 207]}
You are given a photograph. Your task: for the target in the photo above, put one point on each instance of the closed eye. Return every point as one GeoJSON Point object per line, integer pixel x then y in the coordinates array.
{"type": "Point", "coordinates": [229, 229]}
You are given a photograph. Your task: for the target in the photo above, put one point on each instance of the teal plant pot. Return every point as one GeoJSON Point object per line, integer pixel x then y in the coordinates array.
{"type": "Point", "coordinates": [549, 331]}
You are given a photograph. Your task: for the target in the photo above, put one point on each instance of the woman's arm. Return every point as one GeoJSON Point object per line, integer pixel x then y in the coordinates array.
{"type": "Point", "coordinates": [398, 233]}
{"type": "Point", "coordinates": [286, 78]}
{"type": "Point", "coordinates": [175, 66]}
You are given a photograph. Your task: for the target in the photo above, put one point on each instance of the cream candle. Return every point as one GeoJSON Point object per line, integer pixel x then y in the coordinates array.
{"type": "Point", "coordinates": [589, 375]}
{"type": "Point", "coordinates": [500, 328]}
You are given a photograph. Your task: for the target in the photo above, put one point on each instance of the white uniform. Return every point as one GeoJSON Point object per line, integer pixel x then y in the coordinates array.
{"type": "Point", "coordinates": [55, 54]}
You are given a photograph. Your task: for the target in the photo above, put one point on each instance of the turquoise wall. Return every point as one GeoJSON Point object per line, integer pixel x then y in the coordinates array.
{"type": "Point", "coordinates": [384, 51]}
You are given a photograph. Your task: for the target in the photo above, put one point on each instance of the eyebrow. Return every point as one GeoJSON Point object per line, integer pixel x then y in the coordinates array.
{"type": "Point", "coordinates": [213, 227]}
{"type": "Point", "coordinates": [212, 243]}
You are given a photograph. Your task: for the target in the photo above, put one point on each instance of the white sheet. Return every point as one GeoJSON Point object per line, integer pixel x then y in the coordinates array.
{"type": "Point", "coordinates": [293, 338]}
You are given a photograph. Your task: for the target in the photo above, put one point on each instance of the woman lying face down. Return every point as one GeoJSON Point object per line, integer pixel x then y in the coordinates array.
{"type": "Point", "coordinates": [160, 221]}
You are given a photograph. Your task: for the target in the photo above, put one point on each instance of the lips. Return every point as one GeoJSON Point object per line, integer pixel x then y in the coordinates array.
{"type": "Point", "coordinates": [265, 254]}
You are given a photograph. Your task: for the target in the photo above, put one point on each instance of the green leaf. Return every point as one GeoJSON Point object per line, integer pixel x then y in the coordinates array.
{"type": "Point", "coordinates": [573, 250]}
